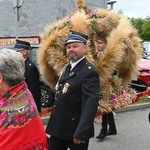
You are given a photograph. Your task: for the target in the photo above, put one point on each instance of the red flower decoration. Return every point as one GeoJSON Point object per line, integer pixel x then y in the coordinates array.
{"type": "Point", "coordinates": [111, 80]}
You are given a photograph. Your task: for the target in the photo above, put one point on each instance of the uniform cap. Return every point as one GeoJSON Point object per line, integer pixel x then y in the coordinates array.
{"type": "Point", "coordinates": [74, 36]}
{"type": "Point", "coordinates": [20, 45]}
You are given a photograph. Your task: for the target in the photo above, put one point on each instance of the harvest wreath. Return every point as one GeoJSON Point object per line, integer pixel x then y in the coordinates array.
{"type": "Point", "coordinates": [122, 52]}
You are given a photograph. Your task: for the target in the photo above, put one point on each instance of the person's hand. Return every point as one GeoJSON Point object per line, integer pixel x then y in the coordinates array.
{"type": "Point", "coordinates": [77, 141]}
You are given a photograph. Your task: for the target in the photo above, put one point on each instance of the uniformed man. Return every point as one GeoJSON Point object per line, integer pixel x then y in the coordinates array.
{"type": "Point", "coordinates": [76, 99]}
{"type": "Point", "coordinates": [31, 72]}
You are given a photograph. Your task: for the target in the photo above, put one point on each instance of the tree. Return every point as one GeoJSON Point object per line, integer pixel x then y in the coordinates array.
{"type": "Point", "coordinates": [145, 29]}
{"type": "Point", "coordinates": [137, 23]}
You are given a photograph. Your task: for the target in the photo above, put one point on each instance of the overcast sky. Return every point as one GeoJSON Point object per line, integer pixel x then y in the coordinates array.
{"type": "Point", "coordinates": [133, 8]}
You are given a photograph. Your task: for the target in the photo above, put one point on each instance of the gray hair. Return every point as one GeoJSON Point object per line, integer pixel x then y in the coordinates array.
{"type": "Point", "coordinates": [12, 66]}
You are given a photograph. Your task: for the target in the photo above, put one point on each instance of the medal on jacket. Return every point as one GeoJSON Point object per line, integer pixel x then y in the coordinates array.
{"type": "Point", "coordinates": [65, 89]}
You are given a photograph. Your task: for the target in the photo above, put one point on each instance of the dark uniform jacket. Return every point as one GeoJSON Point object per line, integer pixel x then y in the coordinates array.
{"type": "Point", "coordinates": [76, 102]}
{"type": "Point", "coordinates": [32, 80]}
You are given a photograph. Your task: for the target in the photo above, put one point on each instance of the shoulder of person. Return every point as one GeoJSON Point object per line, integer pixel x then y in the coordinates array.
{"type": "Point", "coordinates": [30, 63]}
{"type": "Point", "coordinates": [90, 66]}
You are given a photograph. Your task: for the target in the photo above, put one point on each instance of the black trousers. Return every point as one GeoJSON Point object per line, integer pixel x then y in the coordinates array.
{"type": "Point", "coordinates": [61, 144]}
{"type": "Point", "coordinates": [108, 120]}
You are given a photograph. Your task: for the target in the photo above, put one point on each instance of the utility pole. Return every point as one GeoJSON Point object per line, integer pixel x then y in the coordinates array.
{"type": "Point", "coordinates": [111, 3]}
{"type": "Point", "coordinates": [17, 4]}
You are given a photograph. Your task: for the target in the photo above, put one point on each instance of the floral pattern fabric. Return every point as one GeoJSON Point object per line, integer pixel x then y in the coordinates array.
{"type": "Point", "coordinates": [20, 125]}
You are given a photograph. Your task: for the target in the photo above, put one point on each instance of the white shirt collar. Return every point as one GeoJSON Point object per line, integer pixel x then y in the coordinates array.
{"type": "Point", "coordinates": [75, 63]}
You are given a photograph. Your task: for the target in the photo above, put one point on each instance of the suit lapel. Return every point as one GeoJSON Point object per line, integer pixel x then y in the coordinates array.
{"type": "Point", "coordinates": [27, 61]}
{"type": "Point", "coordinates": [79, 65]}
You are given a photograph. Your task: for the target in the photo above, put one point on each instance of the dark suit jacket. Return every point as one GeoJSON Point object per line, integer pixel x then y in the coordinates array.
{"type": "Point", "coordinates": [32, 80]}
{"type": "Point", "coordinates": [74, 111]}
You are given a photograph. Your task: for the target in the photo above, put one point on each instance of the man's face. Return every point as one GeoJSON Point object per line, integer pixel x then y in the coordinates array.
{"type": "Point", "coordinates": [75, 51]}
{"type": "Point", "coordinates": [23, 52]}
{"type": "Point", "coordinates": [100, 45]}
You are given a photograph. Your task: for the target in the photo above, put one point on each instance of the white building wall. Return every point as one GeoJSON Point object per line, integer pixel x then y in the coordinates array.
{"type": "Point", "coordinates": [36, 14]}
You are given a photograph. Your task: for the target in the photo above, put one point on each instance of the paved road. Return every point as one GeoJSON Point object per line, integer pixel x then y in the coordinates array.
{"type": "Point", "coordinates": [133, 132]}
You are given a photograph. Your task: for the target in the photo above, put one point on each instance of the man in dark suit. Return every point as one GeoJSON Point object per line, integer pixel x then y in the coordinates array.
{"type": "Point", "coordinates": [76, 99]}
{"type": "Point", "coordinates": [31, 72]}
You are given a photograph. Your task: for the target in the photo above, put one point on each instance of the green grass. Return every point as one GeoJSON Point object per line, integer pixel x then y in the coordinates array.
{"type": "Point", "coordinates": [143, 99]}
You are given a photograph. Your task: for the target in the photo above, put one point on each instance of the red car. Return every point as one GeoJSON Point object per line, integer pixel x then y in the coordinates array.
{"type": "Point", "coordinates": [143, 80]}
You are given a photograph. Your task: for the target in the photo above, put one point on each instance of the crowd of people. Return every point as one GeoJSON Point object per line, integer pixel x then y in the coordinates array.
{"type": "Point", "coordinates": [76, 100]}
